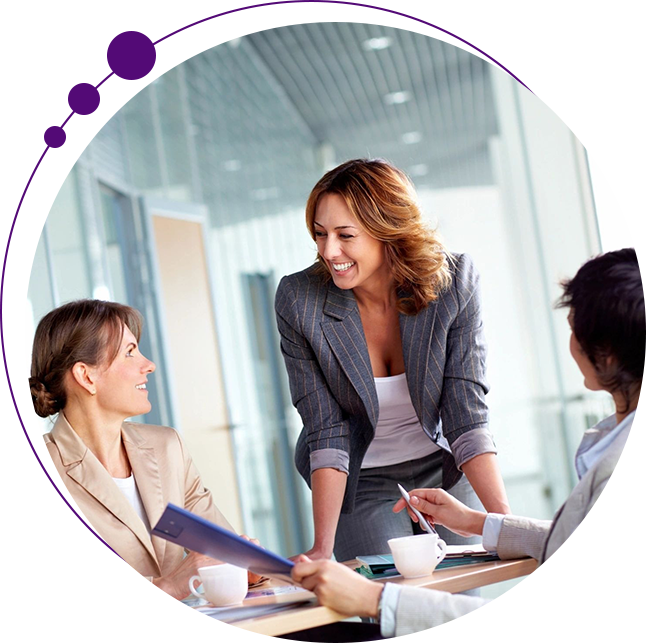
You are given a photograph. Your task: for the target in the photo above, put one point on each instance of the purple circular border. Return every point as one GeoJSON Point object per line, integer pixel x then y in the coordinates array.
{"type": "Point", "coordinates": [586, 65]}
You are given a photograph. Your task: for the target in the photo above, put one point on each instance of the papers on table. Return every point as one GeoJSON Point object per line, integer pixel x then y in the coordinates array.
{"type": "Point", "coordinates": [461, 550]}
{"type": "Point", "coordinates": [241, 612]}
{"type": "Point", "coordinates": [258, 602]}
{"type": "Point", "coordinates": [383, 566]}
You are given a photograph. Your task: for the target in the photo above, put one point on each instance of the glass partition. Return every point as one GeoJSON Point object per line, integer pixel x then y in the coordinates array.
{"type": "Point", "coordinates": [242, 132]}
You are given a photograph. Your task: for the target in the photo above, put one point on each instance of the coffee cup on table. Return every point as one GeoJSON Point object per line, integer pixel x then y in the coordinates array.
{"type": "Point", "coordinates": [418, 555]}
{"type": "Point", "coordinates": [223, 584]}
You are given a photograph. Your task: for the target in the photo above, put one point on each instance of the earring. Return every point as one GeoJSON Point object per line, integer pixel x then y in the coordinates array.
{"type": "Point", "coordinates": [93, 391]}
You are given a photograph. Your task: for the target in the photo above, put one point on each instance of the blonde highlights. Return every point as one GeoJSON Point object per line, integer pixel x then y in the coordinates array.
{"type": "Point", "coordinates": [382, 199]}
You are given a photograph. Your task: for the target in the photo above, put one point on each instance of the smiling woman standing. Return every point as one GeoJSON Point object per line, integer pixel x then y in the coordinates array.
{"type": "Point", "coordinates": [383, 343]}
{"type": "Point", "coordinates": [87, 368]}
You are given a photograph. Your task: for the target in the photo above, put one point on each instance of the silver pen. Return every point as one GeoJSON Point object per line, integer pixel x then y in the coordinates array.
{"type": "Point", "coordinates": [426, 526]}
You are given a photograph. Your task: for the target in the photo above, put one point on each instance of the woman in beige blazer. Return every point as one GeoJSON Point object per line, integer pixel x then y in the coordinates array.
{"type": "Point", "coordinates": [87, 367]}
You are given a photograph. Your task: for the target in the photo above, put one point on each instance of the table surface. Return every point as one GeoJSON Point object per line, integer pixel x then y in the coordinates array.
{"type": "Point", "coordinates": [452, 579]}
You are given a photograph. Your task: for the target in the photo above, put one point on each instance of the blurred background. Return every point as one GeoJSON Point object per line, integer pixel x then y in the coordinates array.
{"type": "Point", "coordinates": [189, 205]}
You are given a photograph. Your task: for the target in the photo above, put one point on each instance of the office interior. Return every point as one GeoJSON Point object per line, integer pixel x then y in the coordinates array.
{"type": "Point", "coordinates": [189, 206]}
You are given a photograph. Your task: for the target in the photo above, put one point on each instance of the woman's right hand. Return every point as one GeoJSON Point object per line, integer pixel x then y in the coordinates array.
{"type": "Point", "coordinates": [442, 508]}
{"type": "Point", "coordinates": [339, 587]}
{"type": "Point", "coordinates": [176, 583]}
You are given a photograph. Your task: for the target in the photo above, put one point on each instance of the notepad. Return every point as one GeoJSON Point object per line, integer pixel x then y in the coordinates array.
{"type": "Point", "coordinates": [383, 565]}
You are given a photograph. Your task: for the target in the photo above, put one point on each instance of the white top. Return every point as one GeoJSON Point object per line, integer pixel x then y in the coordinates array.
{"type": "Point", "coordinates": [399, 436]}
{"type": "Point", "coordinates": [128, 488]}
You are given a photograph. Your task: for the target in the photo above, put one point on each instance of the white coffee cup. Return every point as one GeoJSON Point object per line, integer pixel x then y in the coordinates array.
{"type": "Point", "coordinates": [418, 555]}
{"type": "Point", "coordinates": [223, 584]}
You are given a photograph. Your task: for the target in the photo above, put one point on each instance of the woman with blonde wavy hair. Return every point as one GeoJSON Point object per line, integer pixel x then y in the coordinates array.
{"type": "Point", "coordinates": [383, 344]}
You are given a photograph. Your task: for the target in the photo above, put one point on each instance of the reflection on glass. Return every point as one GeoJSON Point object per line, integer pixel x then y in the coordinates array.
{"type": "Point", "coordinates": [275, 450]}
{"type": "Point", "coordinates": [67, 243]}
{"type": "Point", "coordinates": [143, 154]}
{"type": "Point", "coordinates": [173, 126]}
{"type": "Point", "coordinates": [111, 214]}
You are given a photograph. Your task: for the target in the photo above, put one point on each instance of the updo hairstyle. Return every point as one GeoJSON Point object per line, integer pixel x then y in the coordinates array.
{"type": "Point", "coordinates": [88, 331]}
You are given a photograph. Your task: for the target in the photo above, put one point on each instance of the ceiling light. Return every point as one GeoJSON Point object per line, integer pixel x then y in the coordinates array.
{"type": "Point", "coordinates": [375, 44]}
{"type": "Point", "coordinates": [421, 169]}
{"type": "Point", "coordinates": [410, 138]}
{"type": "Point", "coordinates": [232, 165]}
{"type": "Point", "coordinates": [397, 98]}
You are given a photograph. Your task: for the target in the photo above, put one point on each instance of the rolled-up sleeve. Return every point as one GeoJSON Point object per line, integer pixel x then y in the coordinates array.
{"type": "Point", "coordinates": [463, 408]}
{"type": "Point", "coordinates": [326, 428]}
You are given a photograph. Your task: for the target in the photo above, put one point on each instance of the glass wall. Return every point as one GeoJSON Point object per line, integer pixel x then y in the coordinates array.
{"type": "Point", "coordinates": [242, 132]}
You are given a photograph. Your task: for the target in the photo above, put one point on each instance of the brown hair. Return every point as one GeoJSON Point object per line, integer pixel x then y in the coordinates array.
{"type": "Point", "coordinates": [382, 198]}
{"type": "Point", "coordinates": [89, 331]}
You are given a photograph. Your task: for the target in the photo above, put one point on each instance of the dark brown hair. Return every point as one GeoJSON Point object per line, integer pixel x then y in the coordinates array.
{"type": "Point", "coordinates": [606, 297]}
{"type": "Point", "coordinates": [383, 200]}
{"type": "Point", "coordinates": [89, 331]}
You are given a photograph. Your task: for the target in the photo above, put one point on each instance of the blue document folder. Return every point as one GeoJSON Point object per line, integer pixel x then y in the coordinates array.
{"type": "Point", "coordinates": [197, 534]}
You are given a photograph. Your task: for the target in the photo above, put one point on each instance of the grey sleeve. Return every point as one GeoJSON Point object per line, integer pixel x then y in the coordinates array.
{"type": "Point", "coordinates": [430, 615]}
{"type": "Point", "coordinates": [330, 459]}
{"type": "Point", "coordinates": [469, 445]}
{"type": "Point", "coordinates": [522, 537]}
{"type": "Point", "coordinates": [463, 409]}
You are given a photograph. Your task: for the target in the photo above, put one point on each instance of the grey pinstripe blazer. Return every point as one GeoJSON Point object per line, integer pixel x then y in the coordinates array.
{"type": "Point", "coordinates": [332, 384]}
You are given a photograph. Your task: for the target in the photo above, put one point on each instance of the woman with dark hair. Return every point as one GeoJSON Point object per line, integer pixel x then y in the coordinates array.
{"type": "Point", "coordinates": [606, 301]}
{"type": "Point", "coordinates": [383, 343]}
{"type": "Point", "coordinates": [87, 368]}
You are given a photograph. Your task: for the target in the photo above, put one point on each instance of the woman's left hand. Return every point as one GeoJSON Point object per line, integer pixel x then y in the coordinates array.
{"type": "Point", "coordinates": [253, 579]}
{"type": "Point", "coordinates": [338, 587]}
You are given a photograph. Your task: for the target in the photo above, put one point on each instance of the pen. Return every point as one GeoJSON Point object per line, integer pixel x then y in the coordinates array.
{"type": "Point", "coordinates": [426, 526]}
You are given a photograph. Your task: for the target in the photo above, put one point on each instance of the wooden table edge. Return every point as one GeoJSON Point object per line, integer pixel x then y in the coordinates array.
{"type": "Point", "coordinates": [472, 576]}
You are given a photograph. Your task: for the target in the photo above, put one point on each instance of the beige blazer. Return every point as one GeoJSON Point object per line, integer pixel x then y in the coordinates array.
{"type": "Point", "coordinates": [164, 473]}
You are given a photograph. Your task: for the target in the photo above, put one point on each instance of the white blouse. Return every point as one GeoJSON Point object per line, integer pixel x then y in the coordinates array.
{"type": "Point", "coordinates": [399, 436]}
{"type": "Point", "coordinates": [128, 488]}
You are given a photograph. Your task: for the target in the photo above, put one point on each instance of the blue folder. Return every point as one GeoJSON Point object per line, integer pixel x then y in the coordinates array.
{"type": "Point", "coordinates": [197, 534]}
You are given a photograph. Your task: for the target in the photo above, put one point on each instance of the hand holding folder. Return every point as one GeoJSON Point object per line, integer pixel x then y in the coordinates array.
{"type": "Point", "coordinates": [197, 534]}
